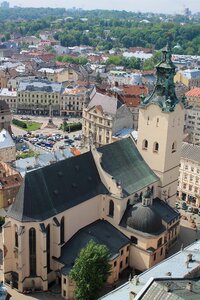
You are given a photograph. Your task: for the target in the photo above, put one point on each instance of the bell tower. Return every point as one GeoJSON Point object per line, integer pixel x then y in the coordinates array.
{"type": "Point", "coordinates": [160, 129]}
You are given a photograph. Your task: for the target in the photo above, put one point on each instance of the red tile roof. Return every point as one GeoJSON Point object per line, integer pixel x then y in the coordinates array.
{"type": "Point", "coordinates": [132, 93]}
{"type": "Point", "coordinates": [193, 93]}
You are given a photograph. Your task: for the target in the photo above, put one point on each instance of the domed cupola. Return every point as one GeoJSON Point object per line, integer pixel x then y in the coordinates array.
{"type": "Point", "coordinates": [143, 217]}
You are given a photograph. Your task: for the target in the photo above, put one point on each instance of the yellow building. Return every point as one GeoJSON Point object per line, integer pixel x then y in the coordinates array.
{"type": "Point", "coordinates": [103, 117]}
{"type": "Point", "coordinates": [35, 97]}
{"type": "Point", "coordinates": [189, 177]}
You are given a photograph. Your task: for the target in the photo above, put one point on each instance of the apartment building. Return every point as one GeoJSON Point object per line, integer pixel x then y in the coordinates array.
{"type": "Point", "coordinates": [10, 182]}
{"type": "Point", "coordinates": [192, 124]}
{"type": "Point", "coordinates": [5, 116]}
{"type": "Point", "coordinates": [10, 97]}
{"type": "Point", "coordinates": [192, 120]}
{"type": "Point", "coordinates": [72, 101]}
{"type": "Point", "coordinates": [189, 177]}
{"type": "Point", "coordinates": [103, 117]}
{"type": "Point", "coordinates": [59, 75]}
{"type": "Point", "coordinates": [36, 96]}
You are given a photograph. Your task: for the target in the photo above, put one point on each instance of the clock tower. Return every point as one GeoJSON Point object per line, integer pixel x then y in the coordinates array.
{"type": "Point", "coordinates": [160, 129]}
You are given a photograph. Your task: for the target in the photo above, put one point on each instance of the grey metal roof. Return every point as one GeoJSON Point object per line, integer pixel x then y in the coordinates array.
{"type": "Point", "coordinates": [190, 152]}
{"type": "Point", "coordinates": [47, 191]}
{"type": "Point", "coordinates": [52, 189]}
{"type": "Point", "coordinates": [108, 104]}
{"type": "Point", "coordinates": [177, 290]}
{"type": "Point", "coordinates": [39, 85]}
{"type": "Point", "coordinates": [148, 219]}
{"type": "Point", "coordinates": [101, 232]}
{"type": "Point", "coordinates": [174, 266]}
{"type": "Point", "coordinates": [124, 163]}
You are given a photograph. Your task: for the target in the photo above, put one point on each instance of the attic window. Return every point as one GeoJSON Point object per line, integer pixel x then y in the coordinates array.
{"type": "Point", "coordinates": [55, 192]}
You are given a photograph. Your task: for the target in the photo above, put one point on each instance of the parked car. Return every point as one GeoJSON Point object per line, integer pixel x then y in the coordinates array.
{"type": "Point", "coordinates": [190, 209]}
{"type": "Point", "coordinates": [195, 210]}
{"type": "Point", "coordinates": [184, 206]}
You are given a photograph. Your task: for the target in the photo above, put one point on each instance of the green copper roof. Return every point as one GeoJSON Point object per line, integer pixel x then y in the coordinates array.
{"type": "Point", "coordinates": [124, 163]}
{"type": "Point", "coordinates": [164, 92]}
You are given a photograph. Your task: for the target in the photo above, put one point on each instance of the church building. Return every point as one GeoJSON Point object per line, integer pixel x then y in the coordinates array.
{"type": "Point", "coordinates": [120, 195]}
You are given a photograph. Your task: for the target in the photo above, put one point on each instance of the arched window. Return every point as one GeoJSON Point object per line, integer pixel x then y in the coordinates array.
{"type": "Point", "coordinates": [145, 145]}
{"type": "Point", "coordinates": [159, 243]}
{"type": "Point", "coordinates": [157, 122]}
{"type": "Point", "coordinates": [62, 230]}
{"type": "Point", "coordinates": [32, 251]}
{"type": "Point", "coordinates": [155, 147]}
{"type": "Point", "coordinates": [111, 208]}
{"type": "Point", "coordinates": [128, 203]}
{"type": "Point", "coordinates": [16, 236]}
{"type": "Point", "coordinates": [174, 147]}
{"type": "Point", "coordinates": [48, 247]}
{"type": "Point", "coordinates": [152, 189]}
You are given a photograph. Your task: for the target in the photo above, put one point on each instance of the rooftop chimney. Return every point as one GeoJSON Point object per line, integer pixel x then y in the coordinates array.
{"type": "Point", "coordinates": [189, 286]}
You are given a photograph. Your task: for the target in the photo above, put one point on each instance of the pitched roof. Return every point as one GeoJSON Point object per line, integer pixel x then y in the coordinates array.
{"type": "Point", "coordinates": [178, 289]}
{"type": "Point", "coordinates": [191, 152]}
{"type": "Point", "coordinates": [101, 232]}
{"type": "Point", "coordinates": [6, 140]}
{"type": "Point", "coordinates": [50, 190]}
{"type": "Point", "coordinates": [124, 163]}
{"type": "Point", "coordinates": [108, 104]}
{"type": "Point", "coordinates": [193, 93]}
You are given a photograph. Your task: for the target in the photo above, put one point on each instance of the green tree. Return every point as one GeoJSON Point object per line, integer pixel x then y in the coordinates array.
{"type": "Point", "coordinates": [90, 271]}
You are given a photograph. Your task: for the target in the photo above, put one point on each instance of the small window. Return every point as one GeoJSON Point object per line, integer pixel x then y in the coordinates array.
{"type": "Point", "coordinates": [145, 145]}
{"type": "Point", "coordinates": [64, 293]}
{"type": "Point", "coordinates": [156, 147]}
{"type": "Point", "coordinates": [122, 252]}
{"type": "Point", "coordinates": [174, 147]}
{"type": "Point", "coordinates": [159, 243]}
{"type": "Point", "coordinates": [64, 281]}
{"type": "Point", "coordinates": [157, 122]}
{"type": "Point", "coordinates": [115, 263]}
{"type": "Point", "coordinates": [161, 251]}
{"type": "Point", "coordinates": [121, 264]}
{"type": "Point", "coordinates": [154, 256]}
{"type": "Point", "coordinates": [127, 248]}
{"type": "Point", "coordinates": [111, 208]}
{"type": "Point", "coordinates": [127, 260]}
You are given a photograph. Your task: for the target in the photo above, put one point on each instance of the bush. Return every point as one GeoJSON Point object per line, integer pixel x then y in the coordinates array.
{"type": "Point", "coordinates": [19, 123]}
{"type": "Point", "coordinates": [71, 126]}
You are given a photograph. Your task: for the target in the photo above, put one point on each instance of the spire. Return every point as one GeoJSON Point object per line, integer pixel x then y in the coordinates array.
{"type": "Point", "coordinates": [164, 92]}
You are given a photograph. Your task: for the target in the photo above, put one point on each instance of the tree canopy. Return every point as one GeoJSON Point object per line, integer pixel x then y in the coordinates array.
{"type": "Point", "coordinates": [90, 271]}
